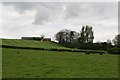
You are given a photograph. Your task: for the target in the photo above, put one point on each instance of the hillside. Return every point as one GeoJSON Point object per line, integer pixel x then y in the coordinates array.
{"type": "Point", "coordinates": [45, 45]}
{"type": "Point", "coordinates": [54, 64]}
{"type": "Point", "coordinates": [25, 63]}
{"type": "Point", "coordinates": [32, 43]}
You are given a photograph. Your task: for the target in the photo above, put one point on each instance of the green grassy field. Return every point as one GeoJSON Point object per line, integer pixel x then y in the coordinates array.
{"type": "Point", "coordinates": [31, 43]}
{"type": "Point", "coordinates": [38, 44]}
{"type": "Point", "coordinates": [49, 64]}
{"type": "Point", "coordinates": [0, 63]}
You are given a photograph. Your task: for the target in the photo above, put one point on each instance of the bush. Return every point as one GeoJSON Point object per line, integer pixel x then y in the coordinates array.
{"type": "Point", "coordinates": [114, 50]}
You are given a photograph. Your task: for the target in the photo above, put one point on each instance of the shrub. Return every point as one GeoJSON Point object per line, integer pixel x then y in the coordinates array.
{"type": "Point", "coordinates": [114, 50]}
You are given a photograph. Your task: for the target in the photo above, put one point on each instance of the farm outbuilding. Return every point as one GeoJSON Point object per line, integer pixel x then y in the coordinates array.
{"type": "Point", "coordinates": [46, 39]}
{"type": "Point", "coordinates": [36, 38]}
{"type": "Point", "coordinates": [29, 38]}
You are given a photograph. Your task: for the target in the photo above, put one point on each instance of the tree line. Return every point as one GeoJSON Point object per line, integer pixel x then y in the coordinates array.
{"type": "Point", "coordinates": [69, 36]}
{"type": "Point", "coordinates": [84, 39]}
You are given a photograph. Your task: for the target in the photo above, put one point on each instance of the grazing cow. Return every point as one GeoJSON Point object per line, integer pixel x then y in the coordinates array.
{"type": "Point", "coordinates": [87, 53]}
{"type": "Point", "coordinates": [17, 51]}
{"type": "Point", "coordinates": [93, 53]}
{"type": "Point", "coordinates": [101, 53]}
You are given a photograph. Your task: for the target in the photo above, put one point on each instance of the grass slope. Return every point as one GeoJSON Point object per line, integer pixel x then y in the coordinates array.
{"type": "Point", "coordinates": [38, 44]}
{"type": "Point", "coordinates": [48, 64]}
{"type": "Point", "coordinates": [31, 43]}
{"type": "Point", "coordinates": [0, 60]}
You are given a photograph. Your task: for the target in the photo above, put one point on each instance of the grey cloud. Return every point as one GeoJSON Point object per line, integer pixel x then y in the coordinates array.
{"type": "Point", "coordinates": [91, 10]}
{"type": "Point", "coordinates": [21, 7]}
{"type": "Point", "coordinates": [45, 11]}
{"type": "Point", "coordinates": [52, 5]}
{"type": "Point", "coordinates": [49, 11]}
{"type": "Point", "coordinates": [74, 10]}
{"type": "Point", "coordinates": [70, 15]}
{"type": "Point", "coordinates": [119, 18]}
{"type": "Point", "coordinates": [41, 16]}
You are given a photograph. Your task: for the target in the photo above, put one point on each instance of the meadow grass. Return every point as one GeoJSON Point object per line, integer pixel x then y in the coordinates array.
{"type": "Point", "coordinates": [32, 43]}
{"type": "Point", "coordinates": [18, 63]}
{"type": "Point", "coordinates": [39, 44]}
{"type": "Point", "coordinates": [0, 63]}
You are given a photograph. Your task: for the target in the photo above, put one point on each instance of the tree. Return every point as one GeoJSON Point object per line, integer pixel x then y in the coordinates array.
{"type": "Point", "coordinates": [59, 37]}
{"type": "Point", "coordinates": [89, 36]}
{"type": "Point", "coordinates": [86, 35]}
{"type": "Point", "coordinates": [109, 42]}
{"type": "Point", "coordinates": [65, 36]}
{"type": "Point", "coordinates": [116, 40]}
{"type": "Point", "coordinates": [42, 36]}
{"type": "Point", "coordinates": [82, 35]}
{"type": "Point", "coordinates": [72, 35]}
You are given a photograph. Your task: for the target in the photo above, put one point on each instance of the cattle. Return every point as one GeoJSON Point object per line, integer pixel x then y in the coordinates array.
{"type": "Point", "coordinates": [101, 53]}
{"type": "Point", "coordinates": [17, 51]}
{"type": "Point", "coordinates": [87, 53]}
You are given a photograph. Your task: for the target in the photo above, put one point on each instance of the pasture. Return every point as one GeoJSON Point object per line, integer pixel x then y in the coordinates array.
{"type": "Point", "coordinates": [39, 44]}
{"type": "Point", "coordinates": [31, 43]}
{"type": "Point", "coordinates": [18, 63]}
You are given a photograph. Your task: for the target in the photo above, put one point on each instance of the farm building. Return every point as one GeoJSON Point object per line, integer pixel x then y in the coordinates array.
{"type": "Point", "coordinates": [29, 38]}
{"type": "Point", "coordinates": [36, 38]}
{"type": "Point", "coordinates": [46, 39]}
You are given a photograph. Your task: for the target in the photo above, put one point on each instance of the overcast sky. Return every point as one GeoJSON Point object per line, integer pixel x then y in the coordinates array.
{"type": "Point", "coordinates": [36, 18]}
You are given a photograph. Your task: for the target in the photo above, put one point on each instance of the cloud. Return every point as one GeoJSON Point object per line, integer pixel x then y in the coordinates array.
{"type": "Point", "coordinates": [47, 12]}
{"type": "Point", "coordinates": [48, 17]}
{"type": "Point", "coordinates": [21, 7]}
